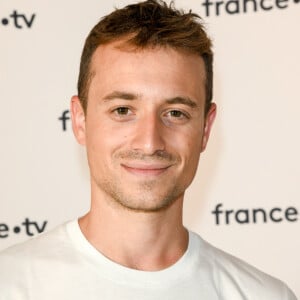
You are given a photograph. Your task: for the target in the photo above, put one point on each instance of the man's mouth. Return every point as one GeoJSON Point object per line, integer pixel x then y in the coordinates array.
{"type": "Point", "coordinates": [143, 169]}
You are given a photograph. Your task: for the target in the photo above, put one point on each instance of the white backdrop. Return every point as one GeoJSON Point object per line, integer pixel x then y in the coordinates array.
{"type": "Point", "coordinates": [252, 161]}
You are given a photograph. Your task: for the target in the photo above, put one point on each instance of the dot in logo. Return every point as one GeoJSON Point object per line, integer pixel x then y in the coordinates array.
{"type": "Point", "coordinates": [4, 21]}
{"type": "Point", "coordinates": [297, 1]}
{"type": "Point", "coordinates": [17, 229]}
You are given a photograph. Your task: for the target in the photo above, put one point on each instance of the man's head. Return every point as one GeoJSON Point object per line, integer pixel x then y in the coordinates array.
{"type": "Point", "coordinates": [145, 25]}
{"type": "Point", "coordinates": [144, 109]}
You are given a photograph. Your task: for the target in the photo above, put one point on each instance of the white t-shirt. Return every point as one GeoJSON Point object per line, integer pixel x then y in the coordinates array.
{"type": "Point", "coordinates": [63, 265]}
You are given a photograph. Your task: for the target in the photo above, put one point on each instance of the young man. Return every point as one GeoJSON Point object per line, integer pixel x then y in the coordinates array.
{"type": "Point", "coordinates": [144, 113]}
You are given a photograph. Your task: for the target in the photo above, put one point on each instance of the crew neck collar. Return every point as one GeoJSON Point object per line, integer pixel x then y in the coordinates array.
{"type": "Point", "coordinates": [122, 274]}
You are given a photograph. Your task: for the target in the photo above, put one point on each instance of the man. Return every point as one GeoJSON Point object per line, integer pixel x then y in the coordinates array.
{"type": "Point", "coordinates": [144, 113]}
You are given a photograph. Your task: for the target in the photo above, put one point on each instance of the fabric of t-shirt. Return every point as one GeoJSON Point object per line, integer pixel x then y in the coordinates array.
{"type": "Point", "coordinates": [63, 265]}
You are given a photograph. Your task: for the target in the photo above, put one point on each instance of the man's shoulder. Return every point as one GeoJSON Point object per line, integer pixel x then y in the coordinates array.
{"type": "Point", "coordinates": [36, 262]}
{"type": "Point", "coordinates": [41, 247]}
{"type": "Point", "coordinates": [233, 275]}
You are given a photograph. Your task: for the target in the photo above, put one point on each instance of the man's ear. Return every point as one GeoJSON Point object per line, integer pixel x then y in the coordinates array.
{"type": "Point", "coordinates": [78, 120]}
{"type": "Point", "coordinates": [209, 120]}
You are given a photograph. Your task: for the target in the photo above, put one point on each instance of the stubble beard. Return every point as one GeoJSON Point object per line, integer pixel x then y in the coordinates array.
{"type": "Point", "coordinates": [147, 196]}
{"type": "Point", "coordinates": [143, 198]}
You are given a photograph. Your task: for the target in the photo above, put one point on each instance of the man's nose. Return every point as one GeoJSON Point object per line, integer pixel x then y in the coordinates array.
{"type": "Point", "coordinates": [149, 135]}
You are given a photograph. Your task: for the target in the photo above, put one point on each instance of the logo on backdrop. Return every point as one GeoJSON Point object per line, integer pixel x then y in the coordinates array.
{"type": "Point", "coordinates": [226, 216]}
{"type": "Point", "coordinates": [233, 7]}
{"type": "Point", "coordinates": [27, 227]}
{"type": "Point", "coordinates": [65, 120]}
{"type": "Point", "coordinates": [18, 20]}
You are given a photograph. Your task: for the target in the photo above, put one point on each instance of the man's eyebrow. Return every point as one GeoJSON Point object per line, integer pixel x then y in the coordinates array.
{"type": "Point", "coordinates": [182, 100]}
{"type": "Point", "coordinates": [120, 95]}
{"type": "Point", "coordinates": [132, 96]}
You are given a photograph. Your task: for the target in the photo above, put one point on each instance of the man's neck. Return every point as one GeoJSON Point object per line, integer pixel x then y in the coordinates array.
{"type": "Point", "coordinates": [137, 240]}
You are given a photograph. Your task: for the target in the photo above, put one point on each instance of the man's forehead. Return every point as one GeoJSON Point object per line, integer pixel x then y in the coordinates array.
{"type": "Point", "coordinates": [117, 64]}
{"type": "Point", "coordinates": [123, 45]}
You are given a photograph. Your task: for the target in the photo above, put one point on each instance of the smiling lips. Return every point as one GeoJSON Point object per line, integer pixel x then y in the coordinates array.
{"type": "Point", "coordinates": [146, 169]}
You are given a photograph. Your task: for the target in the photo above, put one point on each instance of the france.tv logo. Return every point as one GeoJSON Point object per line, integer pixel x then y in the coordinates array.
{"type": "Point", "coordinates": [233, 7]}
{"type": "Point", "coordinates": [18, 20]}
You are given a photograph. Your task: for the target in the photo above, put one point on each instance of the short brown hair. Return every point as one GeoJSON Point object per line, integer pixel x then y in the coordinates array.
{"type": "Point", "coordinates": [148, 24]}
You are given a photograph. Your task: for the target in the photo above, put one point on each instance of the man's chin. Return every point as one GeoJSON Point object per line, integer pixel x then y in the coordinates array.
{"type": "Point", "coordinates": [146, 208]}
{"type": "Point", "coordinates": [146, 202]}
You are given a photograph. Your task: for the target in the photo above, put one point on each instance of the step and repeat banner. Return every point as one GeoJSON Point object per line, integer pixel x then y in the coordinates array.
{"type": "Point", "coordinates": [246, 196]}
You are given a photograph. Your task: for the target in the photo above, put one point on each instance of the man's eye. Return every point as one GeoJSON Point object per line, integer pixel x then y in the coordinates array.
{"type": "Point", "coordinates": [176, 113]}
{"type": "Point", "coordinates": [122, 113]}
{"type": "Point", "coordinates": [175, 116]}
{"type": "Point", "coordinates": [122, 110]}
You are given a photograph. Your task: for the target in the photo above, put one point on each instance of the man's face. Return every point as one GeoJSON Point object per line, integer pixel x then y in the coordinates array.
{"type": "Point", "coordinates": [144, 128]}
